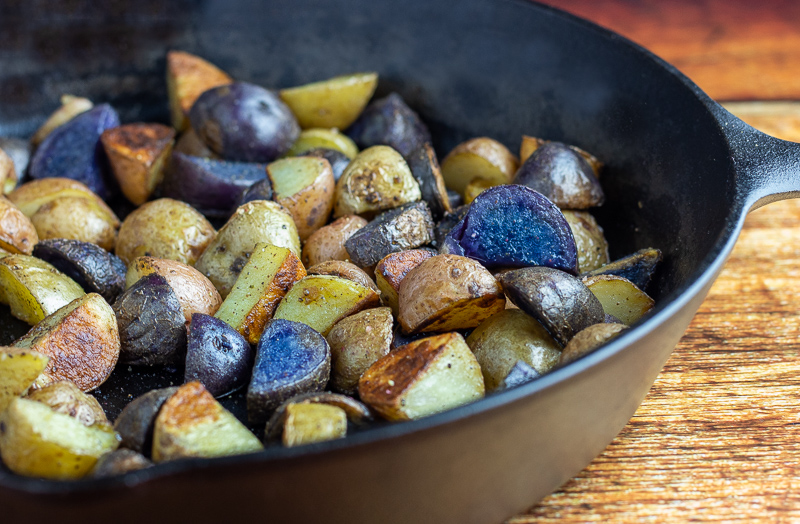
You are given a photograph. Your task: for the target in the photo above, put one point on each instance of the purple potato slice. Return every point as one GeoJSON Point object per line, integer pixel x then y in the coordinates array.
{"type": "Point", "coordinates": [135, 423]}
{"type": "Point", "coordinates": [389, 121]}
{"type": "Point", "coordinates": [217, 356]}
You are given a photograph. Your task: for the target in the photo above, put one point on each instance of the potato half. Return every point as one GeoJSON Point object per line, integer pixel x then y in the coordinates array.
{"type": "Point", "coordinates": [30, 196]}
{"type": "Point", "coordinates": [77, 218]}
{"type": "Point", "coordinates": [478, 158]}
{"type": "Point", "coordinates": [620, 297]}
{"type": "Point", "coordinates": [65, 397]}
{"type": "Point", "coordinates": [188, 76]}
{"type": "Point", "coordinates": [304, 186]}
{"type": "Point", "coordinates": [335, 102]}
{"type": "Point", "coordinates": [17, 233]}
{"type": "Point", "coordinates": [306, 423]}
{"type": "Point", "coordinates": [392, 269]}
{"type": "Point", "coordinates": [327, 243]}
{"type": "Point", "coordinates": [319, 138]}
{"type": "Point", "coordinates": [18, 369]}
{"type": "Point", "coordinates": [71, 106]}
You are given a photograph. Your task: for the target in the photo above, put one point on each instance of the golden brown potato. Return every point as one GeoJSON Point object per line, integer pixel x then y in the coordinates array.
{"type": "Point", "coordinates": [18, 369]}
{"type": "Point", "coordinates": [348, 270]}
{"type": "Point", "coordinates": [327, 243]}
{"type": "Point", "coordinates": [77, 218]}
{"type": "Point", "coordinates": [265, 279]}
{"type": "Point", "coordinates": [306, 423]}
{"type": "Point", "coordinates": [17, 233]}
{"type": "Point", "coordinates": [377, 179]}
{"type": "Point", "coordinates": [530, 145]}
{"type": "Point", "coordinates": [391, 271]}
{"type": "Point", "coordinates": [193, 424]}
{"type": "Point", "coordinates": [620, 297]}
{"type": "Point", "coordinates": [164, 228]}
{"type": "Point", "coordinates": [195, 292]}
{"type": "Point", "coordinates": [188, 77]}
{"type": "Point", "coordinates": [335, 102]}
{"type": "Point", "coordinates": [191, 144]}
{"type": "Point", "coordinates": [8, 173]}
{"type": "Point", "coordinates": [65, 397]}
{"type": "Point", "coordinates": [71, 106]}
{"type": "Point", "coordinates": [81, 339]}
{"type": "Point", "coordinates": [448, 292]}
{"type": "Point", "coordinates": [422, 378]}
{"type": "Point", "coordinates": [304, 186]}
{"type": "Point", "coordinates": [357, 342]}
{"type": "Point", "coordinates": [138, 154]}
{"type": "Point", "coordinates": [476, 187]}
{"type": "Point", "coordinates": [589, 339]}
{"type": "Point", "coordinates": [589, 239]}
{"type": "Point", "coordinates": [30, 196]}
{"type": "Point", "coordinates": [478, 158]}
{"type": "Point", "coordinates": [324, 138]}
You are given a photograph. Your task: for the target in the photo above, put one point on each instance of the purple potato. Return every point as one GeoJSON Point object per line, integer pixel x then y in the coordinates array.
{"type": "Point", "coordinates": [514, 226]}
{"type": "Point", "coordinates": [73, 150]}
{"type": "Point", "coordinates": [135, 423]}
{"type": "Point", "coordinates": [244, 122]}
{"type": "Point", "coordinates": [337, 159]}
{"type": "Point", "coordinates": [119, 462]}
{"type": "Point", "coordinates": [217, 356]}
{"type": "Point", "coordinates": [562, 175]}
{"type": "Point", "coordinates": [447, 223]}
{"type": "Point", "coordinates": [213, 187]}
{"type": "Point", "coordinates": [425, 169]}
{"type": "Point", "coordinates": [291, 359]}
{"type": "Point", "coordinates": [638, 267]}
{"type": "Point", "coordinates": [152, 328]}
{"type": "Point", "coordinates": [456, 199]}
{"type": "Point", "coordinates": [20, 152]}
{"type": "Point", "coordinates": [261, 190]}
{"type": "Point", "coordinates": [389, 121]}
{"type": "Point", "coordinates": [558, 300]}
{"type": "Point", "coordinates": [519, 374]}
{"type": "Point", "coordinates": [93, 268]}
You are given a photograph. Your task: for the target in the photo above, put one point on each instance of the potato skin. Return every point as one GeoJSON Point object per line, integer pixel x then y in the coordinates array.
{"type": "Point", "coordinates": [164, 228]}
{"type": "Point", "coordinates": [65, 397]}
{"type": "Point", "coordinates": [19, 152]}
{"type": "Point", "coordinates": [8, 172]}
{"type": "Point", "coordinates": [217, 356]}
{"type": "Point", "coordinates": [17, 233]}
{"type": "Point", "coordinates": [311, 206]}
{"type": "Point", "coordinates": [135, 423]}
{"type": "Point", "coordinates": [188, 77]}
{"type": "Point", "coordinates": [637, 267]}
{"type": "Point", "coordinates": [71, 106]}
{"type": "Point", "coordinates": [76, 218]}
{"type": "Point", "coordinates": [119, 462]}
{"type": "Point", "coordinates": [391, 271]}
{"type": "Point", "coordinates": [478, 157]}
{"type": "Point", "coordinates": [425, 168]}
{"type": "Point", "coordinates": [348, 270]}
{"type": "Point", "coordinates": [19, 368]}
{"type": "Point", "coordinates": [335, 102]}
{"type": "Point", "coordinates": [589, 339]}
{"type": "Point", "coordinates": [32, 195]}
{"type": "Point", "coordinates": [389, 121]}
{"type": "Point", "coordinates": [589, 240]}
{"type": "Point", "coordinates": [327, 243]}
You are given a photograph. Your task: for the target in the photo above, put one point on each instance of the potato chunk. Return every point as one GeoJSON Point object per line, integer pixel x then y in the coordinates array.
{"type": "Point", "coordinates": [356, 343]}
{"type": "Point", "coordinates": [335, 102]}
{"type": "Point", "coordinates": [392, 269]}
{"type": "Point", "coordinates": [318, 138]}
{"type": "Point", "coordinates": [307, 423]}
{"type": "Point", "coordinates": [422, 378]}
{"type": "Point", "coordinates": [18, 369]}
{"type": "Point", "coordinates": [71, 106]}
{"type": "Point", "coordinates": [192, 424]}
{"type": "Point", "coordinates": [65, 397]}
{"type": "Point", "coordinates": [17, 233]}
{"type": "Point", "coordinates": [589, 339]}
{"type": "Point", "coordinates": [188, 76]}
{"type": "Point", "coordinates": [327, 243]}
{"type": "Point", "coordinates": [478, 158]}
{"type": "Point", "coordinates": [620, 297]}
{"type": "Point", "coordinates": [304, 186]}
{"type": "Point", "coordinates": [8, 173]}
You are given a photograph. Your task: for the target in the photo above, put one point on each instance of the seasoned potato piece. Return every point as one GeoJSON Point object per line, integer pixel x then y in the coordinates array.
{"type": "Point", "coordinates": [348, 270]}
{"type": "Point", "coordinates": [620, 297]}
{"type": "Point", "coordinates": [8, 173]}
{"type": "Point", "coordinates": [389, 121]}
{"type": "Point", "coordinates": [476, 187]}
{"type": "Point", "coordinates": [217, 356]}
{"type": "Point", "coordinates": [266, 277]}
{"type": "Point", "coordinates": [391, 271]}
{"type": "Point", "coordinates": [192, 424]}
{"type": "Point", "coordinates": [138, 153]}
{"type": "Point", "coordinates": [33, 288]}
{"type": "Point", "coordinates": [71, 106]}
{"type": "Point", "coordinates": [589, 339]}
{"type": "Point", "coordinates": [30, 196]}
{"type": "Point", "coordinates": [356, 343]}
{"type": "Point", "coordinates": [17, 233]}
{"type": "Point", "coordinates": [589, 240]}
{"type": "Point", "coordinates": [356, 412]}
{"type": "Point", "coordinates": [422, 378]}
{"type": "Point", "coordinates": [530, 144]}
{"type": "Point", "coordinates": [195, 292]}
{"type": "Point", "coordinates": [319, 138]}
{"type": "Point", "coordinates": [335, 102]}
{"type": "Point", "coordinates": [188, 76]}
{"type": "Point", "coordinates": [338, 160]}
{"type": "Point", "coordinates": [478, 158]}
{"type": "Point", "coordinates": [304, 186]}
{"type": "Point", "coordinates": [448, 292]}
{"type": "Point", "coordinates": [119, 462]}
{"type": "Point", "coordinates": [320, 301]}
{"type": "Point", "coordinates": [252, 223]}
{"type": "Point", "coordinates": [18, 369]}
{"type": "Point", "coordinates": [637, 267]}
{"type": "Point", "coordinates": [508, 337]}
{"type": "Point", "coordinates": [164, 228]}
{"type": "Point", "coordinates": [77, 218]}
{"type": "Point", "coordinates": [81, 340]}
{"type": "Point", "coordinates": [37, 441]}
{"type": "Point", "coordinates": [192, 145]}
{"type": "Point", "coordinates": [327, 243]}
{"type": "Point", "coordinates": [309, 423]}
{"type": "Point", "coordinates": [135, 423]}
{"type": "Point", "coordinates": [65, 397]}
{"type": "Point", "coordinates": [425, 168]}
{"type": "Point", "coordinates": [377, 179]}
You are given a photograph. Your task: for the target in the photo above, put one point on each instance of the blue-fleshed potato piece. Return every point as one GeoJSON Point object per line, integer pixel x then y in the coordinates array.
{"type": "Point", "coordinates": [244, 122]}
{"type": "Point", "coordinates": [217, 356]}
{"type": "Point", "coordinates": [519, 374]}
{"type": "Point", "coordinates": [74, 151]}
{"type": "Point", "coordinates": [562, 175]}
{"type": "Point", "coordinates": [390, 122]}
{"type": "Point", "coordinates": [291, 359]}
{"type": "Point", "coordinates": [514, 226]}
{"type": "Point", "coordinates": [213, 187]}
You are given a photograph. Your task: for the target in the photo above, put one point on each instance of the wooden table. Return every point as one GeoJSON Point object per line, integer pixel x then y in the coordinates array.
{"type": "Point", "coordinates": [718, 436]}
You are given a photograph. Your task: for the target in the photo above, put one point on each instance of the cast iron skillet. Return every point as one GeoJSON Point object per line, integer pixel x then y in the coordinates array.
{"type": "Point", "coordinates": [681, 175]}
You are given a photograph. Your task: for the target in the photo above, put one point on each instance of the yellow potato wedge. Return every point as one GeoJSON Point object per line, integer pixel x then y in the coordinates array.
{"type": "Point", "coordinates": [77, 218]}
{"type": "Point", "coordinates": [391, 271]}
{"type": "Point", "coordinates": [320, 301]}
{"type": "Point", "coordinates": [8, 173]}
{"type": "Point", "coordinates": [195, 292]}
{"type": "Point", "coordinates": [327, 243]}
{"type": "Point", "coordinates": [18, 369]}
{"type": "Point", "coordinates": [30, 196]}
{"type": "Point", "coordinates": [476, 187]}
{"type": "Point", "coordinates": [589, 240]}
{"type": "Point", "coordinates": [138, 154]}
{"type": "Point", "coordinates": [478, 158]}
{"type": "Point", "coordinates": [304, 186]}
{"type": "Point", "coordinates": [306, 423]}
{"type": "Point", "coordinates": [265, 279]}
{"type": "Point", "coordinates": [81, 339]}
{"type": "Point", "coordinates": [448, 292]}
{"type": "Point", "coordinates": [323, 138]}
{"type": "Point", "coordinates": [588, 339]}
{"type": "Point", "coordinates": [530, 144]}
{"type": "Point", "coordinates": [192, 424]}
{"type": "Point", "coordinates": [71, 106]}
{"type": "Point", "coordinates": [348, 270]}
{"type": "Point", "coordinates": [335, 102]}
{"type": "Point", "coordinates": [422, 378]}
{"type": "Point", "coordinates": [17, 233]}
{"type": "Point", "coordinates": [67, 398]}
{"type": "Point", "coordinates": [188, 77]}
{"type": "Point", "coordinates": [37, 441]}
{"type": "Point", "coordinates": [620, 297]}
{"type": "Point", "coordinates": [33, 288]}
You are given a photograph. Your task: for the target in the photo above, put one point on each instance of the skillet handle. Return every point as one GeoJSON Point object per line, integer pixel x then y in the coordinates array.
{"type": "Point", "coordinates": [768, 168]}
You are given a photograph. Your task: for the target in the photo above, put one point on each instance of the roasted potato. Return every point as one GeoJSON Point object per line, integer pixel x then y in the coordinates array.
{"type": "Point", "coordinates": [508, 337]}
{"type": "Point", "coordinates": [589, 339]}
{"type": "Point", "coordinates": [192, 424]}
{"type": "Point", "coordinates": [138, 154]}
{"type": "Point", "coordinates": [65, 397]}
{"type": "Point", "coordinates": [190, 144]}
{"type": "Point", "coordinates": [322, 300]}
{"type": "Point", "coordinates": [320, 138]}
{"type": "Point", "coordinates": [530, 144]}
{"type": "Point", "coordinates": [8, 173]}
{"type": "Point", "coordinates": [348, 270]}
{"type": "Point", "coordinates": [77, 218]}
{"type": "Point", "coordinates": [327, 243]}
{"type": "Point", "coordinates": [422, 378]}
{"type": "Point", "coordinates": [261, 190]}
{"type": "Point", "coordinates": [17, 233]}
{"type": "Point", "coordinates": [71, 106]}
{"type": "Point", "coordinates": [196, 294]}
{"type": "Point", "coordinates": [304, 186]}
{"type": "Point", "coordinates": [425, 169]}
{"type": "Point", "coordinates": [357, 413]}
{"type": "Point", "coordinates": [136, 421]}
{"type": "Point", "coordinates": [164, 228]}
{"type": "Point", "coordinates": [389, 121]}
{"type": "Point", "coordinates": [476, 187]}
{"type": "Point", "coordinates": [307, 423]}
{"type": "Point", "coordinates": [188, 76]}
{"type": "Point", "coordinates": [637, 267]}
{"type": "Point", "coordinates": [377, 179]}
{"type": "Point", "coordinates": [391, 271]}
{"type": "Point", "coordinates": [620, 297]}
{"type": "Point", "coordinates": [119, 462]}
{"type": "Point", "coordinates": [448, 292]}
{"type": "Point", "coordinates": [18, 370]}
{"type": "Point", "coordinates": [589, 240]}
{"type": "Point", "coordinates": [519, 374]}
{"type": "Point", "coordinates": [252, 223]}
{"type": "Point", "coordinates": [81, 340]}
{"type": "Point", "coordinates": [478, 158]}
{"type": "Point", "coordinates": [356, 343]}
{"type": "Point", "coordinates": [30, 196]}
{"type": "Point", "coordinates": [447, 223]}
{"type": "Point", "coordinates": [19, 151]}
{"type": "Point", "coordinates": [335, 102]}
{"type": "Point", "coordinates": [217, 356]}
{"type": "Point", "coordinates": [338, 160]}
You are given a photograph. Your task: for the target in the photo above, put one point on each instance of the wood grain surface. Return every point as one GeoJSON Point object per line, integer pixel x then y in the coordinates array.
{"type": "Point", "coordinates": [718, 437]}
